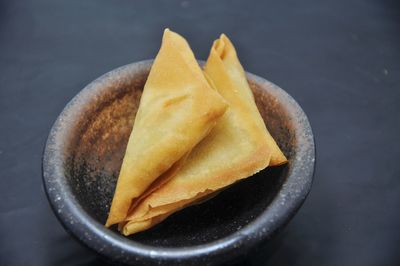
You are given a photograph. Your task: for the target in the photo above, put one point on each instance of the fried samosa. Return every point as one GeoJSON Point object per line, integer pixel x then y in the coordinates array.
{"type": "Point", "coordinates": [225, 71]}
{"type": "Point", "coordinates": [237, 147]}
{"type": "Point", "coordinates": [178, 108]}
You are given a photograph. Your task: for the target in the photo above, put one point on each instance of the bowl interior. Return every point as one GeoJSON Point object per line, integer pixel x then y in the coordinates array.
{"type": "Point", "coordinates": [95, 155]}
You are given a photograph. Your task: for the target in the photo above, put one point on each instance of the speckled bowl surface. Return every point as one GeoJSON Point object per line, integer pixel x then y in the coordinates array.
{"type": "Point", "coordinates": [84, 152]}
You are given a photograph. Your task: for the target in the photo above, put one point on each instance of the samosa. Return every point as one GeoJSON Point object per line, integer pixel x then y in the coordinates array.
{"type": "Point", "coordinates": [178, 108]}
{"type": "Point", "coordinates": [237, 147]}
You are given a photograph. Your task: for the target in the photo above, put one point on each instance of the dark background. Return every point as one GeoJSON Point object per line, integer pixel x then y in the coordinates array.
{"type": "Point", "coordinates": [339, 59]}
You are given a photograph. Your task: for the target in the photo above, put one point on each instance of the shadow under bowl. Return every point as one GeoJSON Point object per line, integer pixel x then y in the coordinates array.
{"type": "Point", "coordinates": [84, 152]}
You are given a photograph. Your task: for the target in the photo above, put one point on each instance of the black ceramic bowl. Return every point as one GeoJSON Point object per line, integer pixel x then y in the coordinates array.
{"type": "Point", "coordinates": [84, 152]}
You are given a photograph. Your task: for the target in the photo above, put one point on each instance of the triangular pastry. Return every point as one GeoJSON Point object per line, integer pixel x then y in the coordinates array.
{"type": "Point", "coordinates": [178, 108]}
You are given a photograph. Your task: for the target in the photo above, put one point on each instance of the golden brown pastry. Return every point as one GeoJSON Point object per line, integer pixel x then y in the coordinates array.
{"type": "Point", "coordinates": [178, 108]}
{"type": "Point", "coordinates": [237, 147]}
{"type": "Point", "coordinates": [226, 72]}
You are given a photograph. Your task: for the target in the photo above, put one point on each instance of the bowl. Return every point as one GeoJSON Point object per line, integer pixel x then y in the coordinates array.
{"type": "Point", "coordinates": [83, 155]}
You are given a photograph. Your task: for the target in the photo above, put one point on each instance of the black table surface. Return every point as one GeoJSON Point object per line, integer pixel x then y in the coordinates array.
{"type": "Point", "coordinates": [339, 59]}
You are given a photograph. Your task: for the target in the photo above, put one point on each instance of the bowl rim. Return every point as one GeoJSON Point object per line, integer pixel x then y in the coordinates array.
{"type": "Point", "coordinates": [81, 225]}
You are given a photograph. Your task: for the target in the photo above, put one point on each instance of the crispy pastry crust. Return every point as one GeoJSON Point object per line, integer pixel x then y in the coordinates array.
{"type": "Point", "coordinates": [177, 110]}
